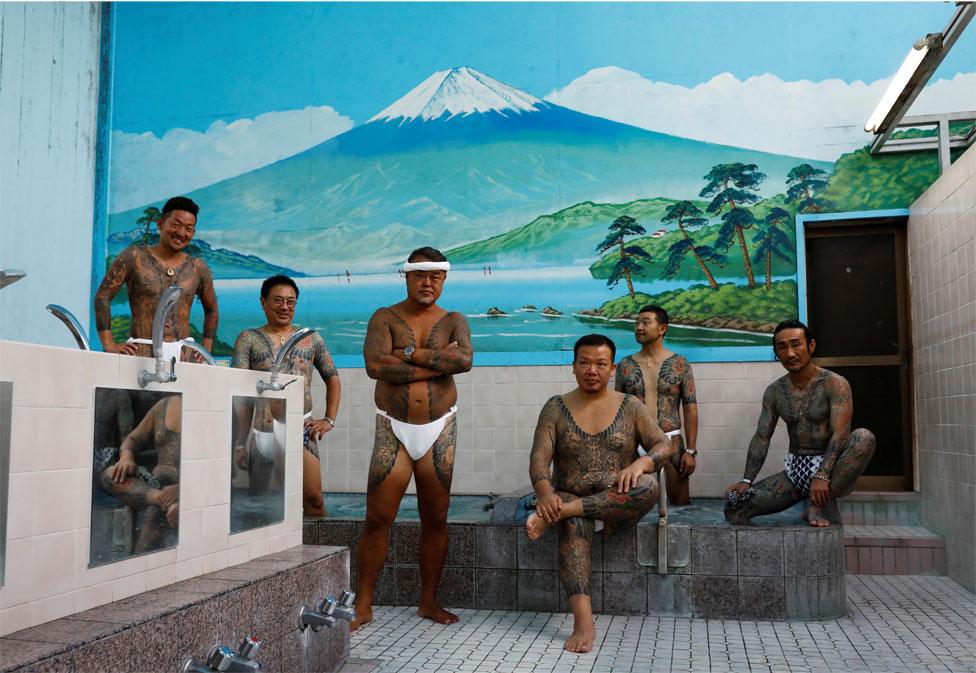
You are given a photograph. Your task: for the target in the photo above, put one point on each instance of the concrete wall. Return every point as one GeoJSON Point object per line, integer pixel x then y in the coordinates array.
{"type": "Point", "coordinates": [48, 100]}
{"type": "Point", "coordinates": [498, 408]}
{"type": "Point", "coordinates": [942, 269]}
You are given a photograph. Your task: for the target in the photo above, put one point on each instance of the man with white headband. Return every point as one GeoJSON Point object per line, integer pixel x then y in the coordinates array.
{"type": "Point", "coordinates": [412, 349]}
{"type": "Point", "coordinates": [663, 381]}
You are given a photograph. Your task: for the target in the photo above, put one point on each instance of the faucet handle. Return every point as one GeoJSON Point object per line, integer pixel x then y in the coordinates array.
{"type": "Point", "coordinates": [249, 647]}
{"type": "Point", "coordinates": [347, 598]}
{"type": "Point", "coordinates": [328, 605]}
{"type": "Point", "coordinates": [220, 657]}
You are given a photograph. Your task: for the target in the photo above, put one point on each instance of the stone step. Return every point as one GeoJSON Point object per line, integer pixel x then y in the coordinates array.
{"type": "Point", "coordinates": [880, 508]}
{"type": "Point", "coordinates": [893, 550]}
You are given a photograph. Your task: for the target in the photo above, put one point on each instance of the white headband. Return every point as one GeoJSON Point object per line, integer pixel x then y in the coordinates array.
{"type": "Point", "coordinates": [426, 266]}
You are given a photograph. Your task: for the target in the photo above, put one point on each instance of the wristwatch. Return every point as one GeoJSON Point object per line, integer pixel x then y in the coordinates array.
{"type": "Point", "coordinates": [692, 452]}
{"type": "Point", "coordinates": [408, 353]}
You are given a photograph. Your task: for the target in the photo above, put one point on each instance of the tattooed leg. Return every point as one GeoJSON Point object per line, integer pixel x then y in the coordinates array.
{"type": "Point", "coordinates": [610, 505]}
{"type": "Point", "coordinates": [433, 476]}
{"type": "Point", "coordinates": [575, 541]}
{"type": "Point", "coordinates": [677, 485]}
{"type": "Point", "coordinates": [851, 463]}
{"type": "Point", "coordinates": [773, 494]}
{"type": "Point", "coordinates": [390, 470]}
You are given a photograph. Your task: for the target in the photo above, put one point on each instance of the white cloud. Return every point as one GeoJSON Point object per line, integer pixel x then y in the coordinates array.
{"type": "Point", "coordinates": [146, 168]}
{"type": "Point", "coordinates": [816, 120]}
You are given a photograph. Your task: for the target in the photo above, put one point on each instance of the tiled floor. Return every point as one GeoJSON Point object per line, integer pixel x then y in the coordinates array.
{"type": "Point", "coordinates": [913, 624]}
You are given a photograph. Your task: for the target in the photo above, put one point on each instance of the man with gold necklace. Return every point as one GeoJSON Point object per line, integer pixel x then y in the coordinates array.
{"type": "Point", "coordinates": [256, 349]}
{"type": "Point", "coordinates": [663, 381]}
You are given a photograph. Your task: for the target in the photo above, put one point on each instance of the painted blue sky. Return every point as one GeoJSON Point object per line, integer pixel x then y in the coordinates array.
{"type": "Point", "coordinates": [171, 60]}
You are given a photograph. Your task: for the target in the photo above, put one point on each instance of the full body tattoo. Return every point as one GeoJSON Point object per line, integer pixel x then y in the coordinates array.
{"type": "Point", "coordinates": [675, 390]}
{"type": "Point", "coordinates": [818, 421]}
{"type": "Point", "coordinates": [413, 354]}
{"type": "Point", "coordinates": [585, 467]}
{"type": "Point", "coordinates": [145, 279]}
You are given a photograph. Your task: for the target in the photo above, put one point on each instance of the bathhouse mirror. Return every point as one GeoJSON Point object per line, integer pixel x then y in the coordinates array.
{"type": "Point", "coordinates": [6, 403]}
{"type": "Point", "coordinates": [136, 472]}
{"type": "Point", "coordinates": [257, 477]}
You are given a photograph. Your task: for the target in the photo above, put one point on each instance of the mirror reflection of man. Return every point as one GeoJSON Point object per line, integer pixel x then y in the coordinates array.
{"type": "Point", "coordinates": [825, 457]}
{"type": "Point", "coordinates": [155, 492]}
{"type": "Point", "coordinates": [413, 349]}
{"type": "Point", "coordinates": [146, 272]}
{"type": "Point", "coordinates": [663, 381]}
{"type": "Point", "coordinates": [589, 439]}
{"type": "Point", "coordinates": [257, 348]}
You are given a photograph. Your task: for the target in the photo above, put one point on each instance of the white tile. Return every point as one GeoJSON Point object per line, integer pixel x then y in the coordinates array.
{"type": "Point", "coordinates": [24, 424]}
{"type": "Point", "coordinates": [20, 512]}
{"type": "Point", "coordinates": [18, 573]}
{"type": "Point", "coordinates": [191, 535]}
{"type": "Point", "coordinates": [238, 555]}
{"type": "Point", "coordinates": [160, 577]}
{"type": "Point", "coordinates": [55, 496]}
{"type": "Point", "coordinates": [56, 368]}
{"type": "Point", "coordinates": [14, 619]}
{"type": "Point", "coordinates": [214, 562]}
{"type": "Point", "coordinates": [19, 363]}
{"type": "Point", "coordinates": [93, 596]}
{"type": "Point", "coordinates": [216, 528]}
{"type": "Point", "coordinates": [277, 543]}
{"type": "Point", "coordinates": [161, 558]}
{"type": "Point", "coordinates": [193, 484]}
{"type": "Point", "coordinates": [99, 370]}
{"type": "Point", "coordinates": [129, 585]}
{"type": "Point", "coordinates": [189, 568]}
{"type": "Point", "coordinates": [55, 449]}
{"type": "Point", "coordinates": [216, 489]}
{"type": "Point", "coordinates": [259, 548]}
{"type": "Point", "coordinates": [53, 573]}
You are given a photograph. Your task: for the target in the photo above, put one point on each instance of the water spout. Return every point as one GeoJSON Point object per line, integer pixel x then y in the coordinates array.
{"type": "Point", "coordinates": [281, 358]}
{"type": "Point", "coordinates": [71, 322]}
{"type": "Point", "coordinates": [166, 304]}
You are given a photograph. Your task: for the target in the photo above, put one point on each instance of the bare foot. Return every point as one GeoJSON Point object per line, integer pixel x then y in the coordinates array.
{"type": "Point", "coordinates": [535, 526]}
{"type": "Point", "coordinates": [437, 613]}
{"type": "Point", "coordinates": [364, 615]}
{"type": "Point", "coordinates": [582, 637]}
{"type": "Point", "coordinates": [815, 518]}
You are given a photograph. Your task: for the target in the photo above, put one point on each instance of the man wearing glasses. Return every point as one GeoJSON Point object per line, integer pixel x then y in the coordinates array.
{"type": "Point", "coordinates": [256, 349]}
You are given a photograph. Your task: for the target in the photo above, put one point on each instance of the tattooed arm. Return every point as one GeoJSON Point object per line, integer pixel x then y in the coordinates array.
{"type": "Point", "coordinates": [333, 387]}
{"type": "Point", "coordinates": [540, 462]}
{"type": "Point", "coordinates": [455, 358]}
{"type": "Point", "coordinates": [759, 446]}
{"type": "Point", "coordinates": [132, 445]}
{"type": "Point", "coordinates": [381, 364]}
{"type": "Point", "coordinates": [208, 299]}
{"type": "Point", "coordinates": [113, 281]}
{"type": "Point", "coordinates": [841, 409]}
{"type": "Point", "coordinates": [652, 438]}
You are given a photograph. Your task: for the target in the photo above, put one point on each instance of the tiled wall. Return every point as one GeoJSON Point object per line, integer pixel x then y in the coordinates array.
{"type": "Point", "coordinates": [942, 270]}
{"type": "Point", "coordinates": [497, 412]}
{"type": "Point", "coordinates": [47, 573]}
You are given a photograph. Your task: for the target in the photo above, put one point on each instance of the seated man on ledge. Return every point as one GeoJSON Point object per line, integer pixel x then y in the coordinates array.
{"type": "Point", "coordinates": [825, 458]}
{"type": "Point", "coordinates": [590, 437]}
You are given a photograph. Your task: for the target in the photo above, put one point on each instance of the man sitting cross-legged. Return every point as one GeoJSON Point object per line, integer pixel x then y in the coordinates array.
{"type": "Point", "coordinates": [590, 438]}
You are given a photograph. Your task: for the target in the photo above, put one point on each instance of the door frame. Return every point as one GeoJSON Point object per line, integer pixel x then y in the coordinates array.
{"type": "Point", "coordinates": [864, 219]}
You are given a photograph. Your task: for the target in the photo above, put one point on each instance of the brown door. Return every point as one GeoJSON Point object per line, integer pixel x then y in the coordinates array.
{"type": "Point", "coordinates": [857, 298]}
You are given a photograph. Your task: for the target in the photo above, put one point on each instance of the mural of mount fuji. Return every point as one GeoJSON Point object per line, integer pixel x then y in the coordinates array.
{"type": "Point", "coordinates": [459, 156]}
{"type": "Point", "coordinates": [590, 159]}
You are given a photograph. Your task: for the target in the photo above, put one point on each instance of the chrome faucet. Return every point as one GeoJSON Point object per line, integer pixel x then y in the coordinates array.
{"type": "Point", "coordinates": [223, 658]}
{"type": "Point", "coordinates": [279, 361]}
{"type": "Point", "coordinates": [341, 609]}
{"type": "Point", "coordinates": [10, 276]}
{"type": "Point", "coordinates": [316, 619]}
{"type": "Point", "coordinates": [71, 322]}
{"type": "Point", "coordinates": [166, 304]}
{"type": "Point", "coordinates": [204, 353]}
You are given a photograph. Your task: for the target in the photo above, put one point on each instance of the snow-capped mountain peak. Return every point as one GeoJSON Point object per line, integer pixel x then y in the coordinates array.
{"type": "Point", "coordinates": [458, 91]}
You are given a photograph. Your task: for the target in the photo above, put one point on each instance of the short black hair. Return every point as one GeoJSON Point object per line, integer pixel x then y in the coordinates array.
{"type": "Point", "coordinates": [792, 324]}
{"type": "Point", "coordinates": [428, 253]}
{"type": "Point", "coordinates": [280, 279]}
{"type": "Point", "coordinates": [595, 340]}
{"type": "Point", "coordinates": [181, 203]}
{"type": "Point", "coordinates": [660, 313]}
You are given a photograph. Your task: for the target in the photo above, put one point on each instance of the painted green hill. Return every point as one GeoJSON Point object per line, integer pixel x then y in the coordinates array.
{"type": "Point", "coordinates": [706, 235]}
{"type": "Point", "coordinates": [729, 307]}
{"type": "Point", "coordinates": [565, 236]}
{"type": "Point", "coordinates": [861, 181]}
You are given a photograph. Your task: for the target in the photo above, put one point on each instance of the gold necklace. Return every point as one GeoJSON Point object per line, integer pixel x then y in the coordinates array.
{"type": "Point", "coordinates": [281, 337]}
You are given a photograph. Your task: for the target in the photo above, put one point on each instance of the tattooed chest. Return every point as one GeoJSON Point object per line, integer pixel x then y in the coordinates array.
{"type": "Point", "coordinates": [807, 412]}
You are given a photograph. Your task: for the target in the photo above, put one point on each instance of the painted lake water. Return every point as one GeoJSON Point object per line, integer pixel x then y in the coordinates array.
{"type": "Point", "coordinates": [340, 308]}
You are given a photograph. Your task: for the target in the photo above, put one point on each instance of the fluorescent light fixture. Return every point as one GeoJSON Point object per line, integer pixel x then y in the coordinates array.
{"type": "Point", "coordinates": [898, 83]}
